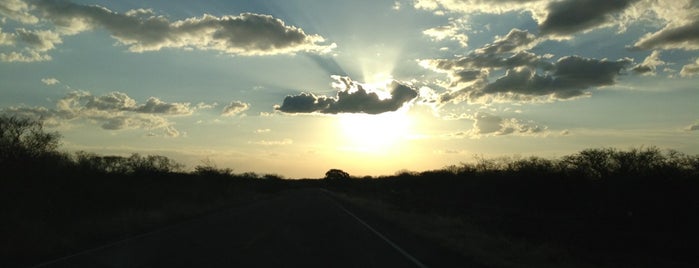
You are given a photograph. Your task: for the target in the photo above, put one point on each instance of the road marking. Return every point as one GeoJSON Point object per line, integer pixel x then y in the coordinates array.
{"type": "Point", "coordinates": [396, 247]}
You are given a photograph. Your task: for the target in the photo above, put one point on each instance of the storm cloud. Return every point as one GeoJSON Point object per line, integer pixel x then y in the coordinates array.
{"type": "Point", "coordinates": [353, 98]}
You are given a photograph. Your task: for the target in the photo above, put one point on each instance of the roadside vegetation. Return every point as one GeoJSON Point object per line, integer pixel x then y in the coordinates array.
{"type": "Point", "coordinates": [596, 208]}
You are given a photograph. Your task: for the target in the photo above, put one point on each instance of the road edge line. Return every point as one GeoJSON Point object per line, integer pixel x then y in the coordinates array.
{"type": "Point", "coordinates": [384, 238]}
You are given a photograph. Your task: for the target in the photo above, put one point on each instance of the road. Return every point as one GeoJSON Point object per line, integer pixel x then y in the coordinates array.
{"type": "Point", "coordinates": [298, 228]}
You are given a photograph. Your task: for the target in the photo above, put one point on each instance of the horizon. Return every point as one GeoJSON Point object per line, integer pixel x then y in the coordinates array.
{"type": "Point", "coordinates": [369, 87]}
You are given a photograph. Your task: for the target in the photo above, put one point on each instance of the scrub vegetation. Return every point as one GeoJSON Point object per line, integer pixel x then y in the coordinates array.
{"type": "Point", "coordinates": [598, 207]}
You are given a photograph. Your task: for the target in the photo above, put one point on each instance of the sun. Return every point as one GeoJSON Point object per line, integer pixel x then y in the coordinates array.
{"type": "Point", "coordinates": [375, 134]}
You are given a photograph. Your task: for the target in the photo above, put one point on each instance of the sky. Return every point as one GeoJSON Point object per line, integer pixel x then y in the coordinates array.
{"type": "Point", "coordinates": [297, 87]}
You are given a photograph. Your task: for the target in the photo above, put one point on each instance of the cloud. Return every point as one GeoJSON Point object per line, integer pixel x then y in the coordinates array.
{"type": "Point", "coordinates": [684, 36]}
{"type": "Point", "coordinates": [690, 70]}
{"type": "Point", "coordinates": [142, 30]}
{"type": "Point", "coordinates": [352, 97]}
{"type": "Point", "coordinates": [34, 45]}
{"type": "Point", "coordinates": [554, 18]}
{"type": "Point", "coordinates": [203, 105]}
{"type": "Point", "coordinates": [112, 111]}
{"type": "Point", "coordinates": [693, 127]}
{"type": "Point", "coordinates": [25, 56]}
{"type": "Point", "coordinates": [527, 75]}
{"type": "Point", "coordinates": [39, 41]}
{"type": "Point", "coordinates": [571, 16]}
{"type": "Point", "coordinates": [156, 106]}
{"type": "Point", "coordinates": [486, 124]}
{"type": "Point", "coordinates": [571, 77]}
{"type": "Point", "coordinates": [17, 10]}
{"type": "Point", "coordinates": [273, 142]}
{"type": "Point", "coordinates": [235, 108]}
{"type": "Point", "coordinates": [477, 61]}
{"type": "Point", "coordinates": [479, 6]}
{"type": "Point", "coordinates": [50, 81]}
{"type": "Point", "coordinates": [649, 64]}
{"type": "Point", "coordinates": [453, 31]}
{"type": "Point", "coordinates": [516, 40]}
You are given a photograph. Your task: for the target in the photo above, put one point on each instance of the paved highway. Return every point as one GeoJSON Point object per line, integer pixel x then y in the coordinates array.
{"type": "Point", "coordinates": [299, 228]}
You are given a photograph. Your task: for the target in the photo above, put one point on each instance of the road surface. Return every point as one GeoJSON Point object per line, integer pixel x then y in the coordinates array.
{"type": "Point", "coordinates": [299, 228]}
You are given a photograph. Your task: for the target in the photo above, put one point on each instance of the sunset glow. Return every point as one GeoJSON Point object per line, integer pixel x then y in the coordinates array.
{"type": "Point", "coordinates": [371, 87]}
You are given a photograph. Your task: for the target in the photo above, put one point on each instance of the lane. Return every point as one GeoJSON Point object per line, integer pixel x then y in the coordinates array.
{"type": "Point", "coordinates": [300, 228]}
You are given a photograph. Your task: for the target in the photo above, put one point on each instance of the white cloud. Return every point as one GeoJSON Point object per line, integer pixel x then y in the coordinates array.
{"type": "Point", "coordinates": [489, 124]}
{"type": "Point", "coordinates": [17, 10]}
{"type": "Point", "coordinates": [690, 70]}
{"type": "Point", "coordinates": [454, 31]}
{"type": "Point", "coordinates": [50, 81]}
{"type": "Point", "coordinates": [235, 108]}
{"type": "Point", "coordinates": [693, 127]}
{"type": "Point", "coordinates": [273, 142]}
{"type": "Point", "coordinates": [649, 64]}
{"type": "Point", "coordinates": [24, 56]}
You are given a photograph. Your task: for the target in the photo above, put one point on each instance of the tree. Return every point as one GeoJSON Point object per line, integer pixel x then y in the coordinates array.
{"type": "Point", "coordinates": [336, 174]}
{"type": "Point", "coordinates": [24, 139]}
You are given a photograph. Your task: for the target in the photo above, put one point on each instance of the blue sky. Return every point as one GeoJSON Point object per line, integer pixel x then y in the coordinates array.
{"type": "Point", "coordinates": [298, 87]}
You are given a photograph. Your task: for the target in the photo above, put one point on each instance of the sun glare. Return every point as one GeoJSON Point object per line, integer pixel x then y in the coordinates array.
{"type": "Point", "coordinates": [376, 134]}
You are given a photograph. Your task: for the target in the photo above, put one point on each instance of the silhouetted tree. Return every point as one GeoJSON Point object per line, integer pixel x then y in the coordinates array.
{"type": "Point", "coordinates": [209, 168]}
{"type": "Point", "coordinates": [336, 174]}
{"type": "Point", "coordinates": [25, 138]}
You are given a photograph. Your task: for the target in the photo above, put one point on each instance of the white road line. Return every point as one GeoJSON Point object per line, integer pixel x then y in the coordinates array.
{"type": "Point", "coordinates": [396, 247]}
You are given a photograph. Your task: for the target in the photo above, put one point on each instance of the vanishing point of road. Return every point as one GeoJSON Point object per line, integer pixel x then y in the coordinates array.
{"type": "Point", "coordinates": [298, 228]}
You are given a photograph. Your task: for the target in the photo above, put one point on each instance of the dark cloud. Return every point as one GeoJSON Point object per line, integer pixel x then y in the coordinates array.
{"type": "Point", "coordinates": [467, 76]}
{"type": "Point", "coordinates": [515, 40]}
{"type": "Point", "coordinates": [477, 61]}
{"type": "Point", "coordinates": [351, 99]}
{"type": "Point", "coordinates": [684, 37]}
{"type": "Point", "coordinates": [571, 77]}
{"type": "Point", "coordinates": [142, 30]}
{"type": "Point", "coordinates": [572, 16]}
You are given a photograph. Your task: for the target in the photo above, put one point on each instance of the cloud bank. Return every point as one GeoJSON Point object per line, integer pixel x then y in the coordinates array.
{"type": "Point", "coordinates": [527, 75]}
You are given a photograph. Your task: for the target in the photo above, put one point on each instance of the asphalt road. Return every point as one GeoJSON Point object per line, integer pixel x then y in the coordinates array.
{"type": "Point", "coordinates": [299, 228]}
